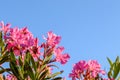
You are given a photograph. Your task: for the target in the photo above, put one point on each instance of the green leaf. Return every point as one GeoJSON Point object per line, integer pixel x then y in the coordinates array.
{"type": "Point", "coordinates": [116, 70]}
{"type": "Point", "coordinates": [1, 40]}
{"type": "Point", "coordinates": [33, 63]}
{"type": "Point", "coordinates": [40, 71]}
{"type": "Point", "coordinates": [14, 67]}
{"type": "Point", "coordinates": [43, 75]}
{"type": "Point", "coordinates": [117, 60]}
{"type": "Point", "coordinates": [12, 56]}
{"type": "Point", "coordinates": [55, 74]}
{"type": "Point", "coordinates": [52, 65]}
{"type": "Point", "coordinates": [27, 58]}
{"type": "Point", "coordinates": [4, 70]}
{"type": "Point", "coordinates": [31, 73]}
{"type": "Point", "coordinates": [20, 61]}
{"type": "Point", "coordinates": [4, 59]}
{"type": "Point", "coordinates": [109, 74]}
{"type": "Point", "coordinates": [15, 71]}
{"type": "Point", "coordinates": [47, 59]}
{"type": "Point", "coordinates": [58, 78]}
{"type": "Point", "coordinates": [110, 62]}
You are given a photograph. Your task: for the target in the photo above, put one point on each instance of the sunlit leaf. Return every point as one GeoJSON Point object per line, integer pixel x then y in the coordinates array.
{"type": "Point", "coordinates": [110, 62]}
{"type": "Point", "coordinates": [56, 74]}
{"type": "Point", "coordinates": [47, 59]}
{"type": "Point", "coordinates": [31, 73]}
{"type": "Point", "coordinates": [116, 70]}
{"type": "Point", "coordinates": [15, 71]}
{"type": "Point", "coordinates": [33, 63]}
{"type": "Point", "coordinates": [43, 75]}
{"type": "Point", "coordinates": [1, 40]}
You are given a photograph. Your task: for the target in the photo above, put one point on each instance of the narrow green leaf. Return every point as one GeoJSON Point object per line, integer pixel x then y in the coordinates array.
{"type": "Point", "coordinates": [14, 67]}
{"type": "Point", "coordinates": [5, 70]}
{"type": "Point", "coordinates": [15, 70]}
{"type": "Point", "coordinates": [42, 67]}
{"type": "Point", "coordinates": [109, 74]}
{"type": "Point", "coordinates": [31, 73]}
{"type": "Point", "coordinates": [58, 78]}
{"type": "Point", "coordinates": [20, 61]}
{"type": "Point", "coordinates": [40, 70]}
{"type": "Point", "coordinates": [33, 63]}
{"type": "Point", "coordinates": [4, 59]}
{"type": "Point", "coordinates": [43, 75]}
{"type": "Point", "coordinates": [52, 65]}
{"type": "Point", "coordinates": [110, 62]}
{"type": "Point", "coordinates": [117, 60]}
{"type": "Point", "coordinates": [47, 59]}
{"type": "Point", "coordinates": [116, 71]}
{"type": "Point", "coordinates": [1, 40]}
{"type": "Point", "coordinates": [55, 74]}
{"type": "Point", "coordinates": [12, 56]}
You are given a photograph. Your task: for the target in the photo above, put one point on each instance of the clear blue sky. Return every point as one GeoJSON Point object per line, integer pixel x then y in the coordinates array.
{"type": "Point", "coordinates": [90, 29]}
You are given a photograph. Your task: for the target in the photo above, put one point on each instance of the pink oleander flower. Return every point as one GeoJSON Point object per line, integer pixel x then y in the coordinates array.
{"type": "Point", "coordinates": [94, 68]}
{"type": "Point", "coordinates": [4, 28]}
{"type": "Point", "coordinates": [52, 39]}
{"type": "Point", "coordinates": [35, 49]}
{"type": "Point", "coordinates": [10, 77]}
{"type": "Point", "coordinates": [86, 70]}
{"type": "Point", "coordinates": [78, 69]}
{"type": "Point", "coordinates": [20, 40]}
{"type": "Point", "coordinates": [108, 79]}
{"type": "Point", "coordinates": [62, 58]}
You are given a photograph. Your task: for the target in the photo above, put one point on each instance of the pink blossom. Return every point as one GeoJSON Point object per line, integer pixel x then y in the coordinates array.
{"type": "Point", "coordinates": [21, 40]}
{"type": "Point", "coordinates": [78, 69]}
{"type": "Point", "coordinates": [62, 58]}
{"type": "Point", "coordinates": [10, 77]}
{"type": "Point", "coordinates": [52, 39]}
{"type": "Point", "coordinates": [86, 70]}
{"type": "Point", "coordinates": [94, 68]}
{"type": "Point", "coordinates": [4, 28]}
{"type": "Point", "coordinates": [35, 49]}
{"type": "Point", "coordinates": [108, 79]}
{"type": "Point", "coordinates": [16, 51]}
{"type": "Point", "coordinates": [18, 40]}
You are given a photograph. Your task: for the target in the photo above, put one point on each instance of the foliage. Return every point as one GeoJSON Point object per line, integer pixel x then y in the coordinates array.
{"type": "Point", "coordinates": [114, 69]}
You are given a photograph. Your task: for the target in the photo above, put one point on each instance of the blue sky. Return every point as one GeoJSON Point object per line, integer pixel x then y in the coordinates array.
{"type": "Point", "coordinates": [90, 29]}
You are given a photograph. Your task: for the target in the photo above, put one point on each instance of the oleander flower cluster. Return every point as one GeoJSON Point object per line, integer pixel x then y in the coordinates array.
{"type": "Point", "coordinates": [86, 70]}
{"type": "Point", "coordinates": [91, 70]}
{"type": "Point", "coordinates": [23, 51]}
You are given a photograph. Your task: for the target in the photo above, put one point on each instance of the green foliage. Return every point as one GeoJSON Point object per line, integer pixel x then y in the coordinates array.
{"type": "Point", "coordinates": [29, 68]}
{"type": "Point", "coordinates": [1, 40]}
{"type": "Point", "coordinates": [114, 68]}
{"type": "Point", "coordinates": [4, 55]}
